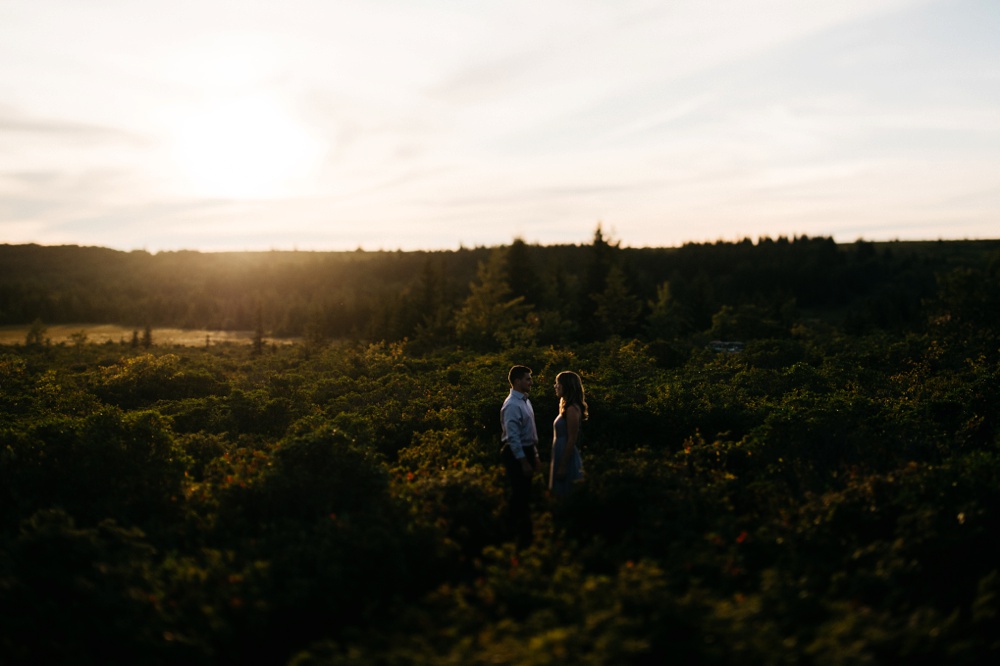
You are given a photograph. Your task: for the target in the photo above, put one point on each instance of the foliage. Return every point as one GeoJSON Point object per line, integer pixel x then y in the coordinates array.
{"type": "Point", "coordinates": [829, 494]}
{"type": "Point", "coordinates": [576, 293]}
{"type": "Point", "coordinates": [490, 316]}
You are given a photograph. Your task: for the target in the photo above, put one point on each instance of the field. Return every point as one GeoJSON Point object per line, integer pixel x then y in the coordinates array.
{"type": "Point", "coordinates": [826, 493]}
{"type": "Point", "coordinates": [16, 335]}
{"type": "Point", "coordinates": [110, 333]}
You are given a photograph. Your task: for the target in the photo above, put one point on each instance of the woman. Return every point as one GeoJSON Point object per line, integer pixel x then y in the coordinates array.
{"type": "Point", "coordinates": [566, 466]}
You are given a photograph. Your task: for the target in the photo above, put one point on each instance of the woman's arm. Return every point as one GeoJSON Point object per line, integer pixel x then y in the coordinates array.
{"type": "Point", "coordinates": [572, 415]}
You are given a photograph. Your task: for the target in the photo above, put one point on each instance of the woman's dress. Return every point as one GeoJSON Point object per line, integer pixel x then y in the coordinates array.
{"type": "Point", "coordinates": [574, 467]}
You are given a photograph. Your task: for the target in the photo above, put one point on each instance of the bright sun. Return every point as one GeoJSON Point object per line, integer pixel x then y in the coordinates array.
{"type": "Point", "coordinates": [244, 147]}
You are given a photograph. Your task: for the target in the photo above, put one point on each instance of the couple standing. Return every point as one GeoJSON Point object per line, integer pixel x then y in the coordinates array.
{"type": "Point", "coordinates": [520, 444]}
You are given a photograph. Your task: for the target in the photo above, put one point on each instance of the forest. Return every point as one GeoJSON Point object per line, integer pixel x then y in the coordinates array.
{"type": "Point", "coordinates": [568, 294]}
{"type": "Point", "coordinates": [824, 488]}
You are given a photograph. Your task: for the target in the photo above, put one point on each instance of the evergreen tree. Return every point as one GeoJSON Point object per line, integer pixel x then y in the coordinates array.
{"type": "Point", "coordinates": [667, 318]}
{"type": "Point", "coordinates": [434, 325]}
{"type": "Point", "coordinates": [520, 272]}
{"type": "Point", "coordinates": [490, 314]}
{"type": "Point", "coordinates": [314, 336]}
{"type": "Point", "coordinates": [430, 287]}
{"type": "Point", "coordinates": [258, 335]}
{"type": "Point", "coordinates": [616, 308]}
{"type": "Point", "coordinates": [601, 257]}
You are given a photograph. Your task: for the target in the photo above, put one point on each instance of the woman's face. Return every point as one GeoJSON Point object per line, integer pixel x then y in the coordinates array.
{"type": "Point", "coordinates": [559, 389]}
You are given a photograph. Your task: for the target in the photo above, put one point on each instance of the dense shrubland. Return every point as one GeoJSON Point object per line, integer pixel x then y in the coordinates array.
{"type": "Point", "coordinates": [830, 494]}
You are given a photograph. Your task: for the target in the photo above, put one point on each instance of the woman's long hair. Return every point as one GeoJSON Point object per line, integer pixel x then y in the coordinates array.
{"type": "Point", "coordinates": [572, 392]}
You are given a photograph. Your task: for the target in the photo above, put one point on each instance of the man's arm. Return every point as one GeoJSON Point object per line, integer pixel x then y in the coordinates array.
{"type": "Point", "coordinates": [512, 425]}
{"type": "Point", "coordinates": [513, 417]}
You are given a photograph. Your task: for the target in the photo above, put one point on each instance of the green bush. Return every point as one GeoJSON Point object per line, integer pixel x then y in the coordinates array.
{"type": "Point", "coordinates": [816, 498]}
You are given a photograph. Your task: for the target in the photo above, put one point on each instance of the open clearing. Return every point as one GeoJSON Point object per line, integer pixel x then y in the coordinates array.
{"type": "Point", "coordinates": [102, 333]}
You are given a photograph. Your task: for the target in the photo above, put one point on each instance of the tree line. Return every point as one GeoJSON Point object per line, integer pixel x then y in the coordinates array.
{"type": "Point", "coordinates": [543, 294]}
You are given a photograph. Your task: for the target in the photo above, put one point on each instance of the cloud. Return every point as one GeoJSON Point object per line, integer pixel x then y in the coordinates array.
{"type": "Point", "coordinates": [484, 81]}
{"type": "Point", "coordinates": [15, 125]}
{"type": "Point", "coordinates": [454, 121]}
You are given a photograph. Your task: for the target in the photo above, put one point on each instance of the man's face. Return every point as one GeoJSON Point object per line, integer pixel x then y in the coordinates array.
{"type": "Point", "coordinates": [523, 385]}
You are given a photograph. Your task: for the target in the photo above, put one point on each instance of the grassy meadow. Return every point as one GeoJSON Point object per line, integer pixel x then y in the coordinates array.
{"type": "Point", "coordinates": [113, 334]}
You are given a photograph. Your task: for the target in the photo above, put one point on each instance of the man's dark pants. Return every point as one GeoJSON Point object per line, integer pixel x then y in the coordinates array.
{"type": "Point", "coordinates": [519, 501]}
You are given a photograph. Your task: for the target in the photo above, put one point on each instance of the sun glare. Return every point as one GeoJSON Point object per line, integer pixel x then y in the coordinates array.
{"type": "Point", "coordinates": [245, 147]}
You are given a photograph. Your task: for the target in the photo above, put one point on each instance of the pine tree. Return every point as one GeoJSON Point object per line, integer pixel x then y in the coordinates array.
{"type": "Point", "coordinates": [666, 316]}
{"type": "Point", "coordinates": [601, 259]}
{"type": "Point", "coordinates": [520, 272]}
{"type": "Point", "coordinates": [616, 308]}
{"type": "Point", "coordinates": [258, 335]}
{"type": "Point", "coordinates": [490, 315]}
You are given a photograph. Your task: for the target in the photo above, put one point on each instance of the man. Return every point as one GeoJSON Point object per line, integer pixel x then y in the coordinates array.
{"type": "Point", "coordinates": [520, 451]}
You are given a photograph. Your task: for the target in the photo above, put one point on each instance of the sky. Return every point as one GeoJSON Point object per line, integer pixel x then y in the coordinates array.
{"type": "Point", "coordinates": [436, 124]}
